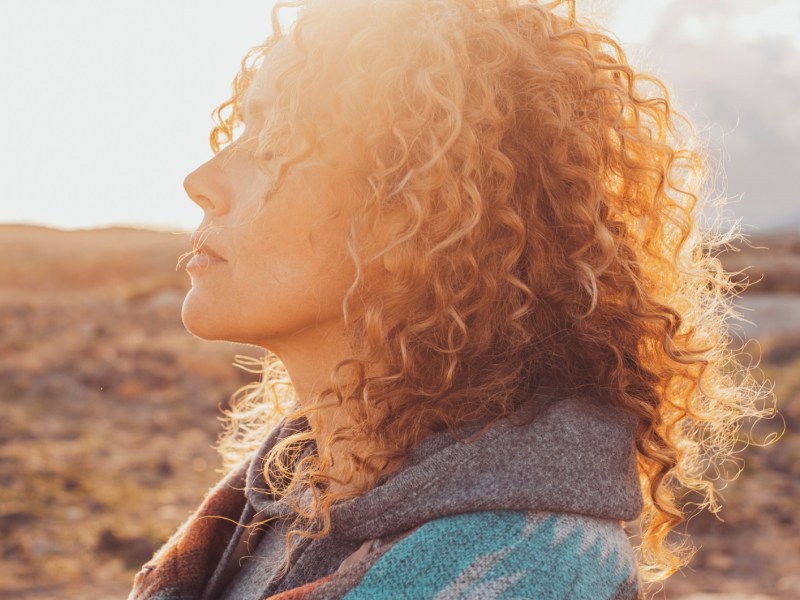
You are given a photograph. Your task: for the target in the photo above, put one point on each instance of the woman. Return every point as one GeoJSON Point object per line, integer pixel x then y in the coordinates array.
{"type": "Point", "coordinates": [465, 231]}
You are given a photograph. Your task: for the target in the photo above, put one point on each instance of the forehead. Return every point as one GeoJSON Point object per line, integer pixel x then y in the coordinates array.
{"type": "Point", "coordinates": [262, 92]}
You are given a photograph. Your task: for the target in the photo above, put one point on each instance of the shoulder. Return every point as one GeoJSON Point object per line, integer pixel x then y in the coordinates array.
{"type": "Point", "coordinates": [506, 554]}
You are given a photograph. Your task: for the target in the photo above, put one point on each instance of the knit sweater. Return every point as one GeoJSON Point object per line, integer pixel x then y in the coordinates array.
{"type": "Point", "coordinates": [531, 508]}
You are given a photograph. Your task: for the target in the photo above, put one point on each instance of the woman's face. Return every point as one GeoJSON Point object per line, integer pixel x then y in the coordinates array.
{"type": "Point", "coordinates": [268, 271]}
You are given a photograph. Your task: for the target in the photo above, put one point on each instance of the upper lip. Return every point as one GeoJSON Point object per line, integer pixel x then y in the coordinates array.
{"type": "Point", "coordinates": [198, 245]}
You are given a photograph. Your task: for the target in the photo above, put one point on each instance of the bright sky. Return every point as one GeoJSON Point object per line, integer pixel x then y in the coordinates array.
{"type": "Point", "coordinates": [106, 105]}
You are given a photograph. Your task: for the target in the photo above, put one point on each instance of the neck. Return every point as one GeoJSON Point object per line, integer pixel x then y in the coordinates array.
{"type": "Point", "coordinates": [309, 358]}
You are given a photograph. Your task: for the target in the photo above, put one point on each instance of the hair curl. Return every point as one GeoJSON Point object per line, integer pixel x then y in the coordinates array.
{"type": "Point", "coordinates": [547, 196]}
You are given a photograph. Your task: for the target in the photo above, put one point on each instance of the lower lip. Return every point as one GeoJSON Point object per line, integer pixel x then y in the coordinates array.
{"type": "Point", "coordinates": [201, 261]}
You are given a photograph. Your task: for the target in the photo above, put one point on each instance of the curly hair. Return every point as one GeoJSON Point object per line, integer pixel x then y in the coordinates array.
{"type": "Point", "coordinates": [546, 203]}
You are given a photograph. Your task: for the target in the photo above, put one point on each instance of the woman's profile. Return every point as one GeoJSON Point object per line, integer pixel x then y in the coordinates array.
{"type": "Point", "coordinates": [466, 234]}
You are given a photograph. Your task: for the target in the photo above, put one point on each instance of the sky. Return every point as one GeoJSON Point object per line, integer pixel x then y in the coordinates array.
{"type": "Point", "coordinates": [107, 105]}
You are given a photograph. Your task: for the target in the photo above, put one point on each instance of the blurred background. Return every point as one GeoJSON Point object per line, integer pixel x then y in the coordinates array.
{"type": "Point", "coordinates": [109, 408]}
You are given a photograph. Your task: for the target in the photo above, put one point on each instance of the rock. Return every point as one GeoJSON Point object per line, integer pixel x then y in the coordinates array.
{"type": "Point", "coordinates": [13, 520]}
{"type": "Point", "coordinates": [133, 551]}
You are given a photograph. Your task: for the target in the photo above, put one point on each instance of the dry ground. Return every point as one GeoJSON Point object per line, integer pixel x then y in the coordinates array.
{"type": "Point", "coordinates": [109, 412]}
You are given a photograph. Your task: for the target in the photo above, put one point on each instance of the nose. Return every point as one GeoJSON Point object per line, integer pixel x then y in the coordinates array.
{"type": "Point", "coordinates": [205, 188]}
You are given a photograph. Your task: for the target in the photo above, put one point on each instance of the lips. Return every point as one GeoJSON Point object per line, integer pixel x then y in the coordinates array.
{"type": "Point", "coordinates": [203, 256]}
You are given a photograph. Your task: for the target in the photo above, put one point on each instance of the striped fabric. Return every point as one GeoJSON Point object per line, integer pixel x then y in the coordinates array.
{"type": "Point", "coordinates": [504, 555]}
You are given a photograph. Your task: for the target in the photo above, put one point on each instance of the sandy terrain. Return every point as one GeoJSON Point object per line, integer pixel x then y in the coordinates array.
{"type": "Point", "coordinates": [109, 414]}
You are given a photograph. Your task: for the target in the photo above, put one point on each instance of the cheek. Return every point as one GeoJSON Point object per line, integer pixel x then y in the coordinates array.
{"type": "Point", "coordinates": [286, 279]}
{"type": "Point", "coordinates": [300, 241]}
{"type": "Point", "coordinates": [291, 270]}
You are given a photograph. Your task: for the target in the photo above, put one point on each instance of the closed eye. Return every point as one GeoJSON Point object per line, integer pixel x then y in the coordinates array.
{"type": "Point", "coordinates": [248, 140]}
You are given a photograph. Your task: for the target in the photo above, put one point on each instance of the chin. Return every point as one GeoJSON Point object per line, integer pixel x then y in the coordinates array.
{"type": "Point", "coordinates": [199, 320]}
{"type": "Point", "coordinates": [214, 321]}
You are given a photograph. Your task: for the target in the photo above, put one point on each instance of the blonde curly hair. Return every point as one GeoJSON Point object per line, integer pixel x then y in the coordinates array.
{"type": "Point", "coordinates": [546, 197]}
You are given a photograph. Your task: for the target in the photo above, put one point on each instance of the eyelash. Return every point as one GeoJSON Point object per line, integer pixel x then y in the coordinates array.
{"type": "Point", "coordinates": [267, 155]}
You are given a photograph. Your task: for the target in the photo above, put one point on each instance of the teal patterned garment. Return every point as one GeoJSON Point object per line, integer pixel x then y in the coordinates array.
{"type": "Point", "coordinates": [504, 555]}
{"type": "Point", "coordinates": [529, 509]}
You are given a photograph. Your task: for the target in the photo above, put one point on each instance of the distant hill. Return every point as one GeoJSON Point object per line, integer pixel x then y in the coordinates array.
{"type": "Point", "coordinates": [771, 262]}
{"type": "Point", "coordinates": [40, 259]}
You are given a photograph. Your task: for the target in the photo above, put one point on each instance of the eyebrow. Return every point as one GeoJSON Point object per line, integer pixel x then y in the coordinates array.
{"type": "Point", "coordinates": [250, 108]}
